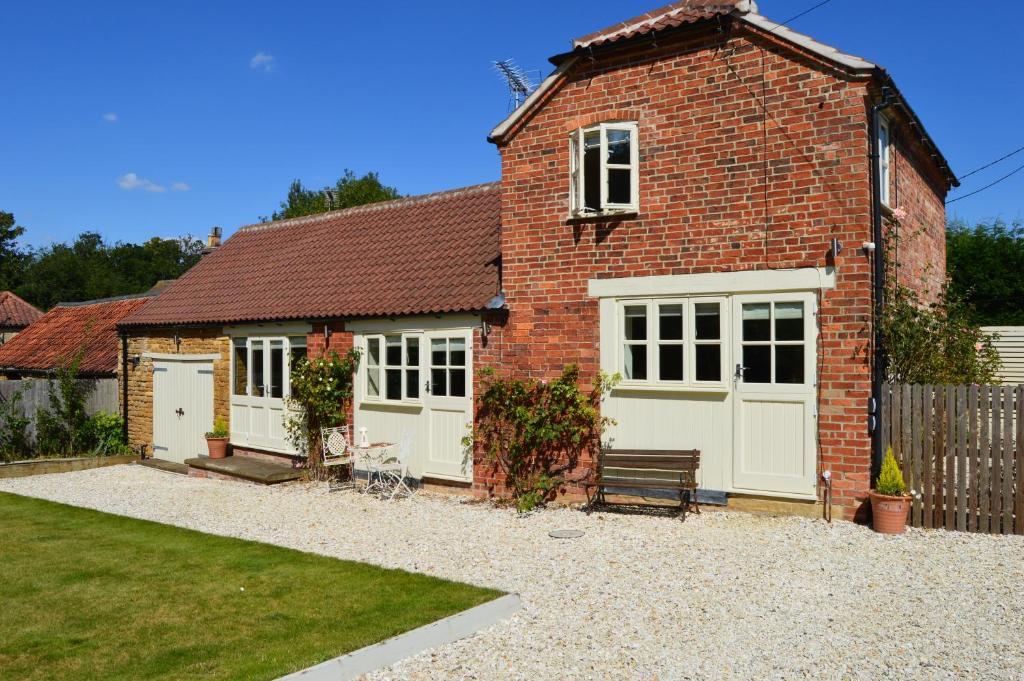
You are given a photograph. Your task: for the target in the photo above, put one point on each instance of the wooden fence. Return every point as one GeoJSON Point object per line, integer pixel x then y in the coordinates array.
{"type": "Point", "coordinates": [35, 395]}
{"type": "Point", "coordinates": [962, 453]}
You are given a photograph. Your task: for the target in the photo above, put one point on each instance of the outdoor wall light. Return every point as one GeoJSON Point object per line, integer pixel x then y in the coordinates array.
{"type": "Point", "coordinates": [134, 360]}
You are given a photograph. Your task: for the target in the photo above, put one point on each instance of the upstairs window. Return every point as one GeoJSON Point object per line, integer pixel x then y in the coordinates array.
{"type": "Point", "coordinates": [603, 173]}
{"type": "Point", "coordinates": [884, 159]}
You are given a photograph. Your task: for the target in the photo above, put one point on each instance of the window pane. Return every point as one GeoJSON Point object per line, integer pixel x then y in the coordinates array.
{"type": "Point", "coordinates": [620, 187]}
{"type": "Point", "coordinates": [636, 322]}
{"type": "Point", "coordinates": [789, 321]}
{"type": "Point", "coordinates": [670, 322]}
{"type": "Point", "coordinates": [412, 383]}
{"type": "Point", "coordinates": [670, 362]}
{"type": "Point", "coordinates": [789, 363]}
{"type": "Point", "coordinates": [258, 384]}
{"type": "Point", "coordinates": [709, 362]}
{"type": "Point", "coordinates": [412, 352]}
{"type": "Point", "coordinates": [393, 384]}
{"type": "Point", "coordinates": [438, 352]}
{"type": "Point", "coordinates": [636, 362]}
{"type": "Point", "coordinates": [756, 322]}
{"type": "Point", "coordinates": [277, 369]}
{"type": "Point", "coordinates": [241, 378]}
{"type": "Point", "coordinates": [457, 352]}
{"type": "Point", "coordinates": [438, 382]}
{"type": "Point", "coordinates": [574, 171]}
{"type": "Point", "coordinates": [297, 350]}
{"type": "Point", "coordinates": [458, 382]}
{"type": "Point", "coordinates": [592, 170]}
{"type": "Point", "coordinates": [708, 321]}
{"type": "Point", "coordinates": [393, 351]}
{"type": "Point", "coordinates": [373, 352]}
{"type": "Point", "coordinates": [618, 147]}
{"type": "Point", "coordinates": [757, 363]}
{"type": "Point", "coordinates": [373, 381]}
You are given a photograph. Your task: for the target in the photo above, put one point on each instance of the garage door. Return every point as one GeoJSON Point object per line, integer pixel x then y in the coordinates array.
{"type": "Point", "coordinates": [182, 407]}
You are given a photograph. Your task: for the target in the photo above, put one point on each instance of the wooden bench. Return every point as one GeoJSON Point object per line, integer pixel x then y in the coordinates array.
{"type": "Point", "coordinates": [676, 470]}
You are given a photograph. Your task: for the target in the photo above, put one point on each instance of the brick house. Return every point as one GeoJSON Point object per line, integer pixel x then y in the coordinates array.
{"type": "Point", "coordinates": [692, 200]}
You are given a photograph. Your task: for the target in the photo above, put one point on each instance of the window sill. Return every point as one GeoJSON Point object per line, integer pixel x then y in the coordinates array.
{"type": "Point", "coordinates": [388, 404]}
{"type": "Point", "coordinates": [717, 388]}
{"type": "Point", "coordinates": [603, 216]}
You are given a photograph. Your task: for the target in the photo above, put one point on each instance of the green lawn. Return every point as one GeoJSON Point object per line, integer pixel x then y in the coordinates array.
{"type": "Point", "coordinates": [88, 595]}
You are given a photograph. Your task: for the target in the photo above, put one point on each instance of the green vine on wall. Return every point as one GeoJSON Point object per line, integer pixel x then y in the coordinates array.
{"type": "Point", "coordinates": [321, 392]}
{"type": "Point", "coordinates": [534, 432]}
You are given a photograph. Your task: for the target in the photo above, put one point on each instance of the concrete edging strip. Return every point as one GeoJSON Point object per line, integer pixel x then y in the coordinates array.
{"type": "Point", "coordinates": [386, 653]}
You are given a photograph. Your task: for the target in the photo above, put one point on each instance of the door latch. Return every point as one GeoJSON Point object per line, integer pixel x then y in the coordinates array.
{"type": "Point", "coordinates": [738, 375]}
{"type": "Point", "coordinates": [180, 412]}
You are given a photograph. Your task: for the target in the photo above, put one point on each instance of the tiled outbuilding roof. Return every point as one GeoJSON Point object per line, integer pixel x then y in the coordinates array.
{"type": "Point", "coordinates": [15, 313]}
{"type": "Point", "coordinates": [669, 16]}
{"type": "Point", "coordinates": [55, 338]}
{"type": "Point", "coordinates": [418, 255]}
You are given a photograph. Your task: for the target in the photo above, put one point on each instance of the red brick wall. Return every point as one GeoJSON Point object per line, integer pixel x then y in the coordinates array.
{"type": "Point", "coordinates": [702, 195]}
{"type": "Point", "coordinates": [918, 250]}
{"type": "Point", "coordinates": [339, 340]}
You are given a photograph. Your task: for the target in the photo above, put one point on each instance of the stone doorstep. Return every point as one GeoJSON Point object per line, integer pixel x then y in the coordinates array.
{"type": "Point", "coordinates": [243, 468]}
{"type": "Point", "coordinates": [166, 466]}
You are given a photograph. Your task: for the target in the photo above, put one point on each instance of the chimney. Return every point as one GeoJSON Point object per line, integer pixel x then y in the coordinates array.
{"type": "Point", "coordinates": [212, 241]}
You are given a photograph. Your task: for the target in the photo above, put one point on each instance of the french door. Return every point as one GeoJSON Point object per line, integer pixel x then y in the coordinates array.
{"type": "Point", "coordinates": [257, 405]}
{"type": "Point", "coordinates": [774, 379]}
{"type": "Point", "coordinates": [448, 403]}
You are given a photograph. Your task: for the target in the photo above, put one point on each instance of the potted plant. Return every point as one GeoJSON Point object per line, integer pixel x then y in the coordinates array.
{"type": "Point", "coordinates": [217, 439]}
{"type": "Point", "coordinates": [890, 502]}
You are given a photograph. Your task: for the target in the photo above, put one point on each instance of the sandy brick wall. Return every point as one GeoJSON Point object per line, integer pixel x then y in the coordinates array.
{"type": "Point", "coordinates": [140, 378]}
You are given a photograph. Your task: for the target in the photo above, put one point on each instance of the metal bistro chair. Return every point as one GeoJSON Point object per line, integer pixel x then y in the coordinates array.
{"type": "Point", "coordinates": [338, 452]}
{"type": "Point", "coordinates": [395, 469]}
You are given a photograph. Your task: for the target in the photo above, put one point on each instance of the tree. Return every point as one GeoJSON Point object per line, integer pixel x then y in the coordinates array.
{"type": "Point", "coordinates": [985, 263]}
{"type": "Point", "coordinates": [89, 268]}
{"type": "Point", "coordinates": [349, 191]}
{"type": "Point", "coordinates": [11, 258]}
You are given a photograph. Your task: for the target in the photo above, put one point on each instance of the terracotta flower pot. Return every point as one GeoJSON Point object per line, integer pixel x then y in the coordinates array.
{"type": "Point", "coordinates": [889, 513]}
{"type": "Point", "coordinates": [217, 446]}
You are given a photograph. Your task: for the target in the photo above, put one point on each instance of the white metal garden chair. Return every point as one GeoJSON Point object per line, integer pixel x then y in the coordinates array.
{"type": "Point", "coordinates": [394, 470]}
{"type": "Point", "coordinates": [338, 452]}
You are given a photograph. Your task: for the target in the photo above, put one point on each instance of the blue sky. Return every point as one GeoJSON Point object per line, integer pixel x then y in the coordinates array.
{"type": "Point", "coordinates": [142, 119]}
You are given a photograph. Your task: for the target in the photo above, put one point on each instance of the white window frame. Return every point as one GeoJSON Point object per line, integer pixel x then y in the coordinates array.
{"type": "Point", "coordinates": [286, 348]}
{"type": "Point", "coordinates": [884, 160]}
{"type": "Point", "coordinates": [383, 367]}
{"type": "Point", "coordinates": [689, 343]}
{"type": "Point", "coordinates": [577, 180]}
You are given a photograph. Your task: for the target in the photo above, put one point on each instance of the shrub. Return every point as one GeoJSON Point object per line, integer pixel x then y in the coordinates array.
{"type": "Point", "coordinates": [890, 479]}
{"type": "Point", "coordinates": [534, 431]}
{"type": "Point", "coordinates": [14, 441]}
{"type": "Point", "coordinates": [61, 427]}
{"type": "Point", "coordinates": [321, 391]}
{"type": "Point", "coordinates": [220, 428]}
{"type": "Point", "coordinates": [101, 435]}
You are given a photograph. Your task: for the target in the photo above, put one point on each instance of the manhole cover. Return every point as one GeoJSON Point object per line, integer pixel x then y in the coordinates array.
{"type": "Point", "coordinates": [565, 534]}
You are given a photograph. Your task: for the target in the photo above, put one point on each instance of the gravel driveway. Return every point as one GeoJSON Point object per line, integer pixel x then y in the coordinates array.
{"type": "Point", "coordinates": [723, 595]}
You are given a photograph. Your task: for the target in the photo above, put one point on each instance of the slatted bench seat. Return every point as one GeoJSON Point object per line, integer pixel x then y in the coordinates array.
{"type": "Point", "coordinates": [634, 470]}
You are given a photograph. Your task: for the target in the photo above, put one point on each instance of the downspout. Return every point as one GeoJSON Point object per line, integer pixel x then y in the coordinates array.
{"type": "Point", "coordinates": [124, 388]}
{"type": "Point", "coordinates": [878, 290]}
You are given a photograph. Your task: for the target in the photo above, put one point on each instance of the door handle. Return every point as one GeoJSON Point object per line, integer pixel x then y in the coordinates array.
{"type": "Point", "coordinates": [740, 369]}
{"type": "Point", "coordinates": [180, 412]}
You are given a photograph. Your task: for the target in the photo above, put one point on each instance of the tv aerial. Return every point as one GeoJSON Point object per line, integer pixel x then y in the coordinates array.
{"type": "Point", "coordinates": [520, 84]}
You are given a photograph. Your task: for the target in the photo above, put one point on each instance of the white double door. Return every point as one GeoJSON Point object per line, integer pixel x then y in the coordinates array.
{"type": "Point", "coordinates": [774, 394]}
{"type": "Point", "coordinates": [182, 408]}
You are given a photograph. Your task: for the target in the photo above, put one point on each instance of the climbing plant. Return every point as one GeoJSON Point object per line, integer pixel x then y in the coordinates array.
{"type": "Point", "coordinates": [321, 392]}
{"type": "Point", "coordinates": [534, 432]}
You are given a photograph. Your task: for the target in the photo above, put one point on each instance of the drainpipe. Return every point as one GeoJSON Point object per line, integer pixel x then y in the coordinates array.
{"type": "Point", "coordinates": [878, 290]}
{"type": "Point", "coordinates": [124, 388]}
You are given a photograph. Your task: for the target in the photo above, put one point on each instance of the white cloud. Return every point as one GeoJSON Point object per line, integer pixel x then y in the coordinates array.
{"type": "Point", "coordinates": [130, 181]}
{"type": "Point", "coordinates": [180, 186]}
{"type": "Point", "coordinates": [110, 117]}
{"type": "Point", "coordinates": [262, 62]}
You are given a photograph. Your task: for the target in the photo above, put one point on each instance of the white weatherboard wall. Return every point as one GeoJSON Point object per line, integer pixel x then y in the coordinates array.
{"type": "Point", "coordinates": [433, 425]}
{"type": "Point", "coordinates": [1010, 346]}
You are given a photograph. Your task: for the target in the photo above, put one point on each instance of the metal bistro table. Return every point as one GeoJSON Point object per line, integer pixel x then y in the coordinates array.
{"type": "Point", "coordinates": [372, 457]}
